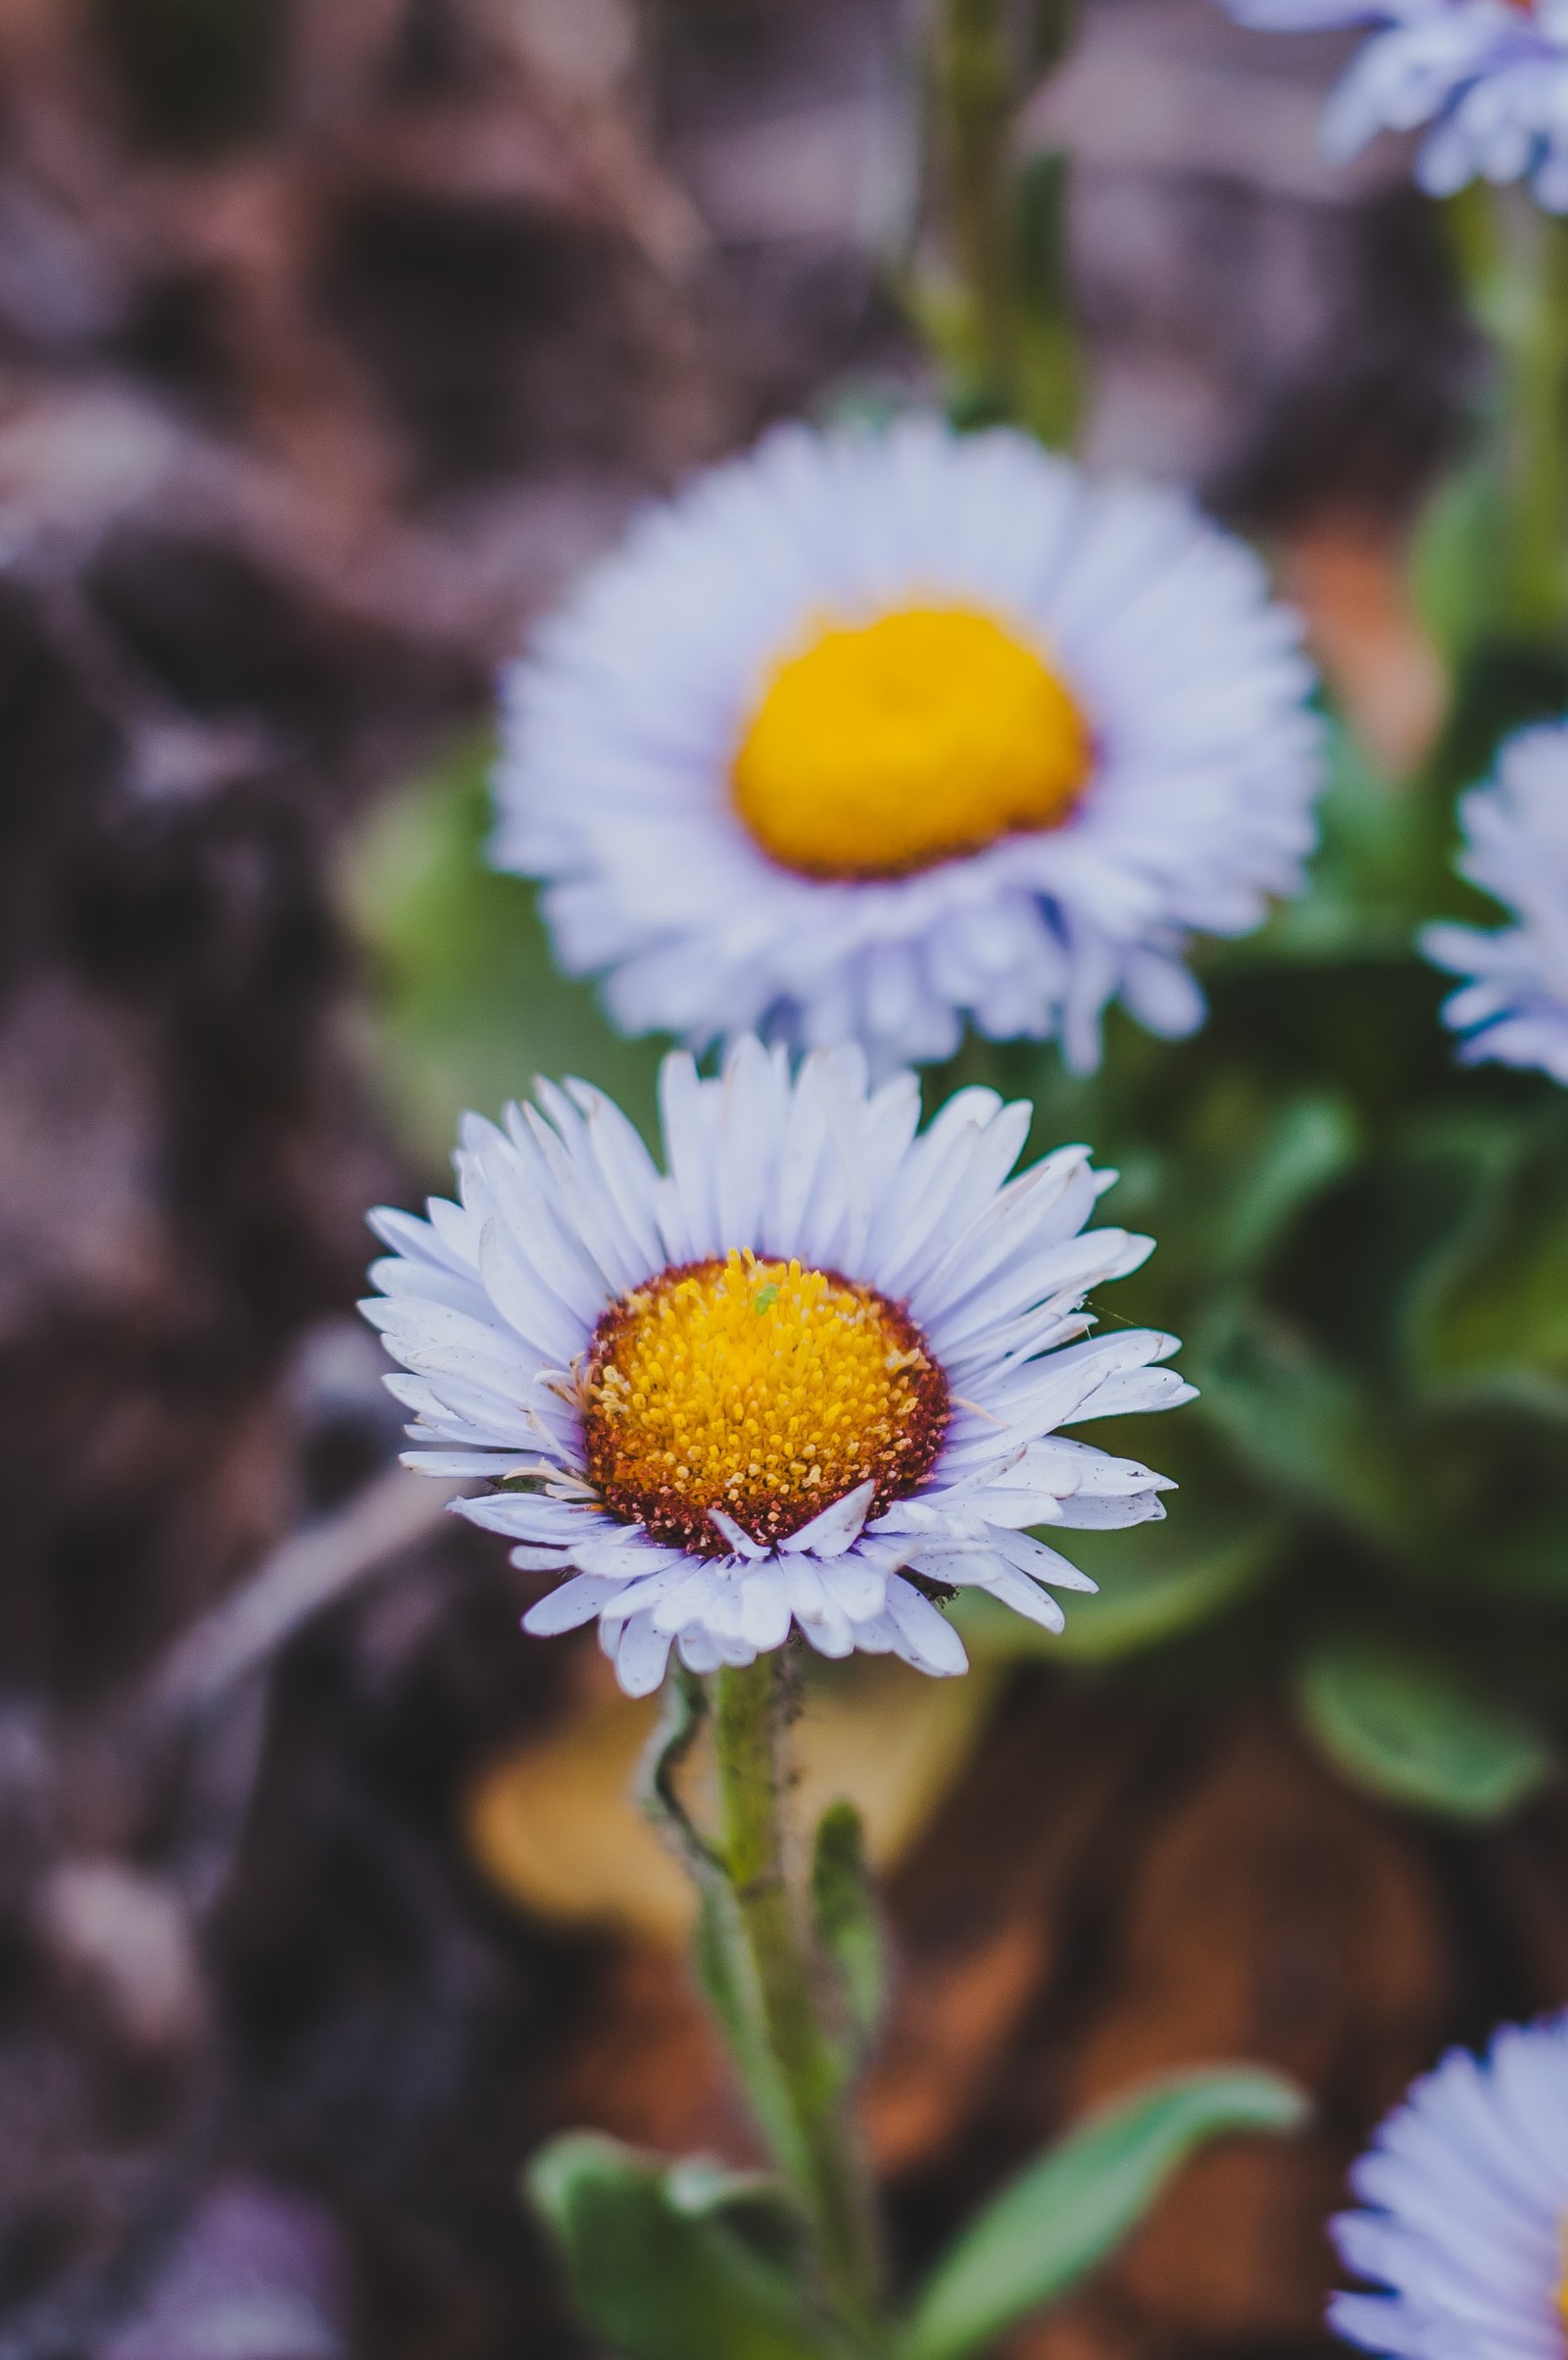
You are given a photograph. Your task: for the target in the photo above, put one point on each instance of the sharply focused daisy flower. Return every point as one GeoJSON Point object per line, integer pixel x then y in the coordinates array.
{"type": "Point", "coordinates": [1515, 1006]}
{"type": "Point", "coordinates": [865, 735]}
{"type": "Point", "coordinates": [1466, 2194]}
{"type": "Point", "coordinates": [1490, 76]}
{"type": "Point", "coordinates": [813, 1374]}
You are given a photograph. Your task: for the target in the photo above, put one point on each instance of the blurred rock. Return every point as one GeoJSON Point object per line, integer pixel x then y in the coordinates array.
{"type": "Point", "coordinates": [1200, 1898]}
{"type": "Point", "coordinates": [254, 2275]}
{"type": "Point", "coordinates": [1276, 1916]}
{"type": "Point", "coordinates": [127, 1936]}
{"type": "Point", "coordinates": [1281, 332]}
{"type": "Point", "coordinates": [982, 1912]}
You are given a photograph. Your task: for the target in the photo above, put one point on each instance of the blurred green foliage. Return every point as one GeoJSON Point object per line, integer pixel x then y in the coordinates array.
{"type": "Point", "coordinates": [467, 1004]}
{"type": "Point", "coordinates": [1364, 1248]}
{"type": "Point", "coordinates": [1418, 1732]}
{"type": "Point", "coordinates": [680, 2261]}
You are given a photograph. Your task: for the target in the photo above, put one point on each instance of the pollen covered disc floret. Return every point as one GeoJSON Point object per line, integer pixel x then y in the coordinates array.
{"type": "Point", "coordinates": [1463, 2206]}
{"type": "Point", "coordinates": [812, 1377]}
{"type": "Point", "coordinates": [760, 1388]}
{"type": "Point", "coordinates": [883, 748]}
{"type": "Point", "coordinates": [867, 736]}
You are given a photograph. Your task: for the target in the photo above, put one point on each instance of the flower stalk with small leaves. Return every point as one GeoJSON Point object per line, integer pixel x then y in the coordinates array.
{"type": "Point", "coordinates": [808, 1384]}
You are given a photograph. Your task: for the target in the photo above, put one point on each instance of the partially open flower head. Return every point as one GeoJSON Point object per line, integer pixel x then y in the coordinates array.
{"type": "Point", "coordinates": [1514, 1007]}
{"type": "Point", "coordinates": [812, 1376]}
{"type": "Point", "coordinates": [1487, 78]}
{"type": "Point", "coordinates": [1465, 2210]}
{"type": "Point", "coordinates": [866, 736]}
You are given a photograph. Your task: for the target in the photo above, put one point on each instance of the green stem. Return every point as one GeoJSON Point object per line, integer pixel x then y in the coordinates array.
{"type": "Point", "coordinates": [1514, 257]}
{"type": "Point", "coordinates": [974, 81]}
{"type": "Point", "coordinates": [1535, 448]}
{"type": "Point", "coordinates": [1052, 30]}
{"type": "Point", "coordinates": [999, 310]}
{"type": "Point", "coordinates": [807, 2116]}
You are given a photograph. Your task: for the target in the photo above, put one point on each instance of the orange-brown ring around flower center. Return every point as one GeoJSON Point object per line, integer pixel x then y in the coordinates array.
{"type": "Point", "coordinates": [641, 1479]}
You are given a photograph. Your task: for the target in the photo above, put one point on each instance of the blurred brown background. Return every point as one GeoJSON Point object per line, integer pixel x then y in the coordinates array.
{"type": "Point", "coordinates": [334, 336]}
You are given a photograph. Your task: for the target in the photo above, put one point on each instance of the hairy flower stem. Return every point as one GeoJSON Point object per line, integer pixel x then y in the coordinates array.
{"type": "Point", "coordinates": [803, 2109]}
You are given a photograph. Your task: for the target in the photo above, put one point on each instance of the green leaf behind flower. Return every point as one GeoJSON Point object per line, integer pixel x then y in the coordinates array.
{"type": "Point", "coordinates": [1419, 1731]}
{"type": "Point", "coordinates": [845, 1914]}
{"type": "Point", "coordinates": [1301, 1421]}
{"type": "Point", "coordinates": [1488, 1316]}
{"type": "Point", "coordinates": [677, 2261]}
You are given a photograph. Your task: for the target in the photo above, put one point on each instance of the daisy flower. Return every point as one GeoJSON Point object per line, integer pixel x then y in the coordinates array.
{"type": "Point", "coordinates": [1466, 2189]}
{"type": "Point", "coordinates": [1490, 76]}
{"type": "Point", "coordinates": [868, 734]}
{"type": "Point", "coordinates": [1515, 1006]}
{"type": "Point", "coordinates": [812, 1375]}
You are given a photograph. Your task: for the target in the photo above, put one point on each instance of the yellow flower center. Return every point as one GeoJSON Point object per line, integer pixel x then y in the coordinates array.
{"type": "Point", "coordinates": [759, 1387]}
{"type": "Point", "coordinates": [886, 747]}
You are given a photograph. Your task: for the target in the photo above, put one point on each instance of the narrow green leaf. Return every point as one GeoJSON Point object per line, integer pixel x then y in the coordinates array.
{"type": "Point", "coordinates": [1068, 2211]}
{"type": "Point", "coordinates": [728, 1980]}
{"type": "Point", "coordinates": [658, 2266]}
{"type": "Point", "coordinates": [847, 1922]}
{"type": "Point", "coordinates": [1419, 1731]}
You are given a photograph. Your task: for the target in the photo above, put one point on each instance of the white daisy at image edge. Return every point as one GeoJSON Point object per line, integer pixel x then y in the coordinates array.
{"type": "Point", "coordinates": [1490, 76]}
{"type": "Point", "coordinates": [1465, 2190]}
{"type": "Point", "coordinates": [815, 1369]}
{"type": "Point", "coordinates": [873, 733]}
{"type": "Point", "coordinates": [1514, 1008]}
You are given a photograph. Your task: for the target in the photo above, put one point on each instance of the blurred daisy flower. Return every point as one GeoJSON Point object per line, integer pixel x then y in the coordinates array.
{"type": "Point", "coordinates": [867, 734]}
{"type": "Point", "coordinates": [1490, 76]}
{"type": "Point", "coordinates": [1515, 1006]}
{"type": "Point", "coordinates": [1466, 2189]}
{"type": "Point", "coordinates": [812, 1376]}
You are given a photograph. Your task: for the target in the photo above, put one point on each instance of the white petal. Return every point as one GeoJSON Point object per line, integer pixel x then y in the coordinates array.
{"type": "Point", "coordinates": [765, 1610]}
{"type": "Point", "coordinates": [621, 730]}
{"type": "Point", "coordinates": [1026, 1597]}
{"type": "Point", "coordinates": [574, 1603]}
{"type": "Point", "coordinates": [926, 1639]}
{"type": "Point", "coordinates": [699, 1649]}
{"type": "Point", "coordinates": [641, 1658]}
{"type": "Point", "coordinates": [835, 1529]}
{"type": "Point", "coordinates": [740, 1542]}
